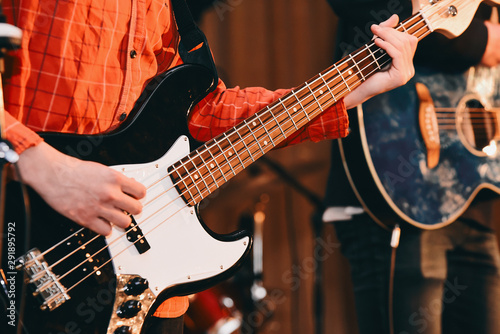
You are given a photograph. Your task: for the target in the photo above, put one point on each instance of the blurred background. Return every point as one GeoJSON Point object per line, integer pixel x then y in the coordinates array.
{"type": "Point", "coordinates": [275, 44]}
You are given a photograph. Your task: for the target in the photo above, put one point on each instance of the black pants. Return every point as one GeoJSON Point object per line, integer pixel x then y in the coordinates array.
{"type": "Point", "coordinates": [156, 325]}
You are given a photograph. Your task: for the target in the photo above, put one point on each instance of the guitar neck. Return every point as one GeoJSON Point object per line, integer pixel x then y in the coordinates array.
{"type": "Point", "coordinates": [204, 170]}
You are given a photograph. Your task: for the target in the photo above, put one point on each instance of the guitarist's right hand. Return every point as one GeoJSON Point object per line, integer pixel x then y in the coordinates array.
{"type": "Point", "coordinates": [90, 194]}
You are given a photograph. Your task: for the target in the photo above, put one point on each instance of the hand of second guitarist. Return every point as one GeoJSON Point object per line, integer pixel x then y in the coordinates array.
{"type": "Point", "coordinates": [88, 193]}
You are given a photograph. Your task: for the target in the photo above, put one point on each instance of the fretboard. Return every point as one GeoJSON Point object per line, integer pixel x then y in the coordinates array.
{"type": "Point", "coordinates": [204, 170]}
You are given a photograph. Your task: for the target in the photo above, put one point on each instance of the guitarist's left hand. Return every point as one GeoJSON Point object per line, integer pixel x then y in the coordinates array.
{"type": "Point", "coordinates": [401, 48]}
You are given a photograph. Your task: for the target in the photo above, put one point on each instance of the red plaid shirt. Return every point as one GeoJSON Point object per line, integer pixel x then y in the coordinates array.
{"type": "Point", "coordinates": [82, 65]}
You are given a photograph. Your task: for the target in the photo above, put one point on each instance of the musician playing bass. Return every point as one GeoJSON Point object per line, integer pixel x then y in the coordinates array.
{"type": "Point", "coordinates": [81, 67]}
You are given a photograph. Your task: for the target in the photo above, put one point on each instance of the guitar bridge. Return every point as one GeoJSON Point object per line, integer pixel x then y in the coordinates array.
{"type": "Point", "coordinates": [45, 284]}
{"type": "Point", "coordinates": [428, 125]}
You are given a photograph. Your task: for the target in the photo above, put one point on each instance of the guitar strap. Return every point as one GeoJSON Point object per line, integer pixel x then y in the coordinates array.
{"type": "Point", "coordinates": [193, 47]}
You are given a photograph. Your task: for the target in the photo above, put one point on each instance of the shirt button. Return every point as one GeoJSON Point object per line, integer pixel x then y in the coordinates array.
{"type": "Point", "coordinates": [133, 54]}
{"type": "Point", "coordinates": [122, 117]}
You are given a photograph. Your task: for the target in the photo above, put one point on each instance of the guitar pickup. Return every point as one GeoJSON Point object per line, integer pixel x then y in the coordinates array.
{"type": "Point", "coordinates": [135, 235]}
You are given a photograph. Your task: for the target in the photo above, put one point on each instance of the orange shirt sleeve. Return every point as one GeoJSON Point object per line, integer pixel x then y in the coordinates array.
{"type": "Point", "coordinates": [172, 308]}
{"type": "Point", "coordinates": [19, 135]}
{"type": "Point", "coordinates": [224, 108]}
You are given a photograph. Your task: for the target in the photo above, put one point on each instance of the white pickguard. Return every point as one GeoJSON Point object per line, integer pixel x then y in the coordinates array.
{"type": "Point", "coordinates": [181, 249]}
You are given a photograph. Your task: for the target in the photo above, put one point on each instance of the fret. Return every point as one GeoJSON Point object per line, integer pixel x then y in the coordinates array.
{"type": "Point", "coordinates": [373, 56]}
{"type": "Point", "coordinates": [343, 79]}
{"type": "Point", "coordinates": [277, 123]}
{"type": "Point", "coordinates": [265, 130]}
{"type": "Point", "coordinates": [199, 175]}
{"type": "Point", "coordinates": [209, 168]}
{"type": "Point", "coordinates": [321, 95]}
{"type": "Point", "coordinates": [427, 24]}
{"type": "Point", "coordinates": [365, 63]}
{"type": "Point", "coordinates": [404, 28]}
{"type": "Point", "coordinates": [290, 116]}
{"type": "Point", "coordinates": [385, 58]}
{"type": "Point", "coordinates": [245, 144]}
{"type": "Point", "coordinates": [314, 96]}
{"type": "Point", "coordinates": [192, 181]}
{"type": "Point", "coordinates": [380, 57]}
{"type": "Point", "coordinates": [253, 135]}
{"type": "Point", "coordinates": [225, 157]}
{"type": "Point", "coordinates": [420, 29]}
{"type": "Point", "coordinates": [328, 87]}
{"type": "Point", "coordinates": [234, 149]}
{"type": "Point", "coordinates": [218, 166]}
{"type": "Point", "coordinates": [359, 71]}
{"type": "Point", "coordinates": [301, 106]}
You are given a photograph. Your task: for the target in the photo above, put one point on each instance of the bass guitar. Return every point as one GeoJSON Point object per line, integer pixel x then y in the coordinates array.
{"type": "Point", "coordinates": [84, 283]}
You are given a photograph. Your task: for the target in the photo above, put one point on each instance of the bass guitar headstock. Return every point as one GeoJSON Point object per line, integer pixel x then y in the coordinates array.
{"type": "Point", "coordinates": [449, 17]}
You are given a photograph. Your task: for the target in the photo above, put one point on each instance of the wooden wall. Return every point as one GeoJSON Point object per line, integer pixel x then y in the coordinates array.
{"type": "Point", "coordinates": [280, 44]}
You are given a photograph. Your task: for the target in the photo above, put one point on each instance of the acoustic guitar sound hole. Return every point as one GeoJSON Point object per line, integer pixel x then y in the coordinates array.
{"type": "Point", "coordinates": [478, 126]}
